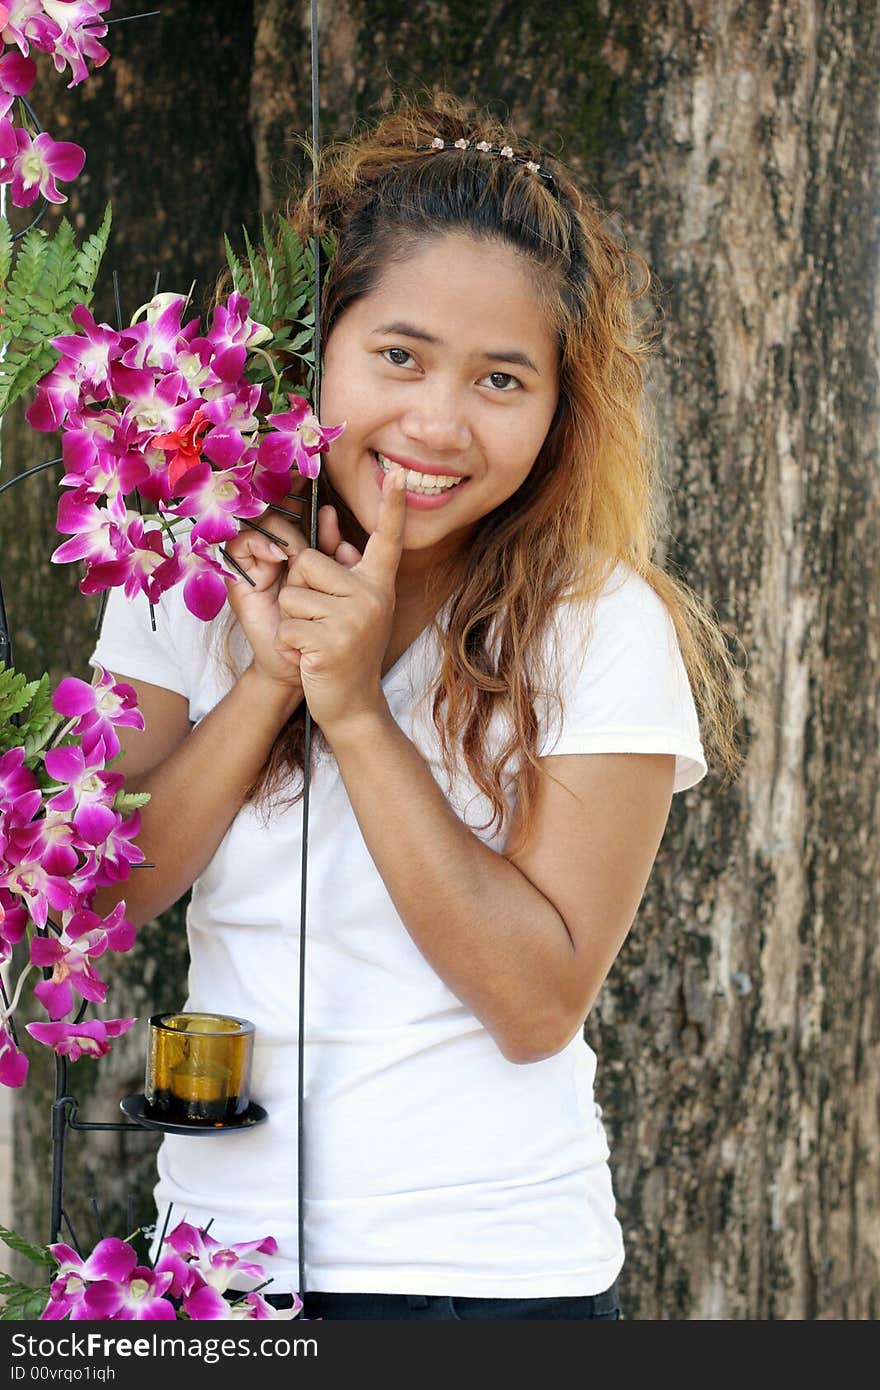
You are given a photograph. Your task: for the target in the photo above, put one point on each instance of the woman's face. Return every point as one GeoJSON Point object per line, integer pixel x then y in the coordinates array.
{"type": "Point", "coordinates": [449, 368]}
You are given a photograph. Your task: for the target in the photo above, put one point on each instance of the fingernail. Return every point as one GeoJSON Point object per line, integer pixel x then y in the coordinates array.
{"type": "Point", "coordinates": [278, 553]}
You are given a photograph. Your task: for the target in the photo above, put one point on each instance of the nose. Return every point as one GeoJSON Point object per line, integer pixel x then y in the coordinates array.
{"type": "Point", "coordinates": [437, 419]}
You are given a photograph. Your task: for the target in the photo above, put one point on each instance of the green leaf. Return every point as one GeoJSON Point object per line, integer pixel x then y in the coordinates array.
{"type": "Point", "coordinates": [236, 269]}
{"type": "Point", "coordinates": [21, 1302]}
{"type": "Point", "coordinates": [37, 1254]}
{"type": "Point", "coordinates": [5, 249]}
{"type": "Point", "coordinates": [90, 257]}
{"type": "Point", "coordinates": [125, 802]}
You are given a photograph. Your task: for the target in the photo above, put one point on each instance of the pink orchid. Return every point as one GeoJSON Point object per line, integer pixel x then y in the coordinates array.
{"type": "Point", "coordinates": [216, 499]}
{"type": "Point", "coordinates": [28, 877]}
{"type": "Point", "coordinates": [13, 1063]}
{"type": "Point", "coordinates": [57, 393]}
{"type": "Point", "coordinates": [253, 1306]}
{"type": "Point", "coordinates": [231, 334]}
{"type": "Point", "coordinates": [88, 790]}
{"type": "Point", "coordinates": [136, 566]}
{"type": "Point", "coordinates": [91, 1038]}
{"type": "Point", "coordinates": [77, 27]}
{"type": "Point", "coordinates": [91, 350]}
{"type": "Point", "coordinates": [17, 76]}
{"type": "Point", "coordinates": [99, 708]}
{"type": "Point", "coordinates": [202, 1269]}
{"type": "Point", "coordinates": [141, 1296]}
{"type": "Point", "coordinates": [157, 405]}
{"type": "Point", "coordinates": [113, 858]}
{"type": "Point", "coordinates": [25, 24]}
{"type": "Point", "coordinates": [203, 576]}
{"type": "Point", "coordinates": [20, 794]}
{"type": "Point", "coordinates": [34, 164]}
{"type": "Point", "coordinates": [95, 531]}
{"type": "Point", "coordinates": [13, 921]}
{"type": "Point", "coordinates": [298, 440]}
{"type": "Point", "coordinates": [156, 340]}
{"type": "Point", "coordinates": [72, 969]}
{"type": "Point", "coordinates": [96, 458]}
{"type": "Point", "coordinates": [112, 1260]}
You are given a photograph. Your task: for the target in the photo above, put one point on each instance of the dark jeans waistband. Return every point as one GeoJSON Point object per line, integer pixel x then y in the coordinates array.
{"type": "Point", "coordinates": [603, 1306]}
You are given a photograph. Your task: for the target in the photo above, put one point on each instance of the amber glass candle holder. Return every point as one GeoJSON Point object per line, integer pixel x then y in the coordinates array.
{"type": "Point", "coordinates": [198, 1068]}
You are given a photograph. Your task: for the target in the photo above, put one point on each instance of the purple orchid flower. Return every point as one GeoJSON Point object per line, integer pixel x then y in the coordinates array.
{"type": "Point", "coordinates": [71, 966]}
{"type": "Point", "coordinates": [297, 440]}
{"type": "Point", "coordinates": [13, 1063]}
{"type": "Point", "coordinates": [215, 1261]}
{"type": "Point", "coordinates": [231, 334]}
{"type": "Point", "coordinates": [76, 29]}
{"type": "Point", "coordinates": [140, 1296]}
{"type": "Point", "coordinates": [95, 531]}
{"type": "Point", "coordinates": [13, 921]}
{"type": "Point", "coordinates": [202, 1268]}
{"type": "Point", "coordinates": [137, 565]}
{"type": "Point", "coordinates": [91, 1038]}
{"type": "Point", "coordinates": [99, 709]}
{"type": "Point", "coordinates": [112, 860]}
{"type": "Point", "coordinates": [96, 459]}
{"type": "Point", "coordinates": [88, 789]}
{"type": "Point", "coordinates": [17, 76]}
{"type": "Point", "coordinates": [91, 350]}
{"type": "Point", "coordinates": [216, 499]}
{"type": "Point", "coordinates": [112, 1260]}
{"type": "Point", "coordinates": [156, 405]}
{"type": "Point", "coordinates": [20, 794]}
{"type": "Point", "coordinates": [26, 24]}
{"type": "Point", "coordinates": [33, 165]}
{"type": "Point", "coordinates": [254, 1306]}
{"type": "Point", "coordinates": [155, 341]}
{"type": "Point", "coordinates": [29, 878]}
{"type": "Point", "coordinates": [57, 393]}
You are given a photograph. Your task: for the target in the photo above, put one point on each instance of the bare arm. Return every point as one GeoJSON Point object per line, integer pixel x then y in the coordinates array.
{"type": "Point", "coordinates": [197, 779]}
{"type": "Point", "coordinates": [524, 941]}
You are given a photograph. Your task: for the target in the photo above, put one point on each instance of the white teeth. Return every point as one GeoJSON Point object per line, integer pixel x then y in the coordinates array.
{"type": "Point", "coordinates": [418, 482]}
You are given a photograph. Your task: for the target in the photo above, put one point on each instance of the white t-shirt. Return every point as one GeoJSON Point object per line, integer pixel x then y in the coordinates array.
{"type": "Point", "coordinates": [432, 1165]}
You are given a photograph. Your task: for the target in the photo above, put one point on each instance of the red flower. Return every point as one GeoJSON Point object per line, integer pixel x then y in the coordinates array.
{"type": "Point", "coordinates": [187, 445]}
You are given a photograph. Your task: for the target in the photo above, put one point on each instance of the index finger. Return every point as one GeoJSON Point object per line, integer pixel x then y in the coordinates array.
{"type": "Point", "coordinates": [383, 550]}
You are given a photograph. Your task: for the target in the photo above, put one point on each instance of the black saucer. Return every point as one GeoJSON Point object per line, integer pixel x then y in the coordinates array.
{"type": "Point", "coordinates": [135, 1107]}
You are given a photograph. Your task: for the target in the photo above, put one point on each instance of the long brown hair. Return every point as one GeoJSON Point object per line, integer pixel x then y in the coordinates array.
{"type": "Point", "coordinates": [593, 497]}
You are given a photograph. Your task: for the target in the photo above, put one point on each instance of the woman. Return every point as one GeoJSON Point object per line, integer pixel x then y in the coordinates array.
{"type": "Point", "coordinates": [501, 678]}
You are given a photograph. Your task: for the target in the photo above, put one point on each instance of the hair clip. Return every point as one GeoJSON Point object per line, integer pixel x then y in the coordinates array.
{"type": "Point", "coordinates": [503, 151]}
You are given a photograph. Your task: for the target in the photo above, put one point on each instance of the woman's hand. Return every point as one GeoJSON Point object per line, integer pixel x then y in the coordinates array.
{"type": "Point", "coordinates": [256, 605]}
{"type": "Point", "coordinates": [337, 610]}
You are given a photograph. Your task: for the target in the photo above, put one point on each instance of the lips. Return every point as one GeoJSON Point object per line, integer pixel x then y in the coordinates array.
{"type": "Point", "coordinates": [430, 470]}
{"type": "Point", "coordinates": [422, 498]}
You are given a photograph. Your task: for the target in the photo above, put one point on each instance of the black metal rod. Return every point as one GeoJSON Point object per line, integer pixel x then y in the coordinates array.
{"type": "Point", "coordinates": [59, 1134]}
{"type": "Point", "coordinates": [263, 532]}
{"type": "Point", "coordinates": [29, 473]}
{"type": "Point", "coordinates": [307, 756]}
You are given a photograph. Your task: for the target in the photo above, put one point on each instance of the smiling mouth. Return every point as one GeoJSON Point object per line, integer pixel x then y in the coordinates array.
{"type": "Point", "coordinates": [428, 484]}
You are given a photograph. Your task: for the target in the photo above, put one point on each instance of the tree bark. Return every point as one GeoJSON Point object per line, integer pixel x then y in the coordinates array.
{"type": "Point", "coordinates": [736, 146]}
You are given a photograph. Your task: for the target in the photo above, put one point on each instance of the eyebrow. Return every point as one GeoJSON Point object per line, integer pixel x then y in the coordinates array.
{"type": "Point", "coordinates": [409, 330]}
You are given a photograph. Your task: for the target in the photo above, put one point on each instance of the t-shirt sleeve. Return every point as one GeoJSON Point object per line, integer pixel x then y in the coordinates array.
{"type": "Point", "coordinates": [624, 684]}
{"type": "Point", "coordinates": [128, 646]}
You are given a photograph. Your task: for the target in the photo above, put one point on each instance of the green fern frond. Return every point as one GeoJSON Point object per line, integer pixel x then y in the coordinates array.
{"type": "Point", "coordinates": [37, 1254]}
{"type": "Point", "coordinates": [5, 249]}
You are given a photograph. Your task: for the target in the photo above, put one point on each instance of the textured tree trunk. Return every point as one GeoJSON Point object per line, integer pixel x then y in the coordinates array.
{"type": "Point", "coordinates": [736, 145]}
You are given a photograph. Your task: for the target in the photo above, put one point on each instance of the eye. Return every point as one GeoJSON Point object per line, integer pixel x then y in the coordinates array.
{"type": "Point", "coordinates": [394, 356]}
{"type": "Point", "coordinates": [502, 381]}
